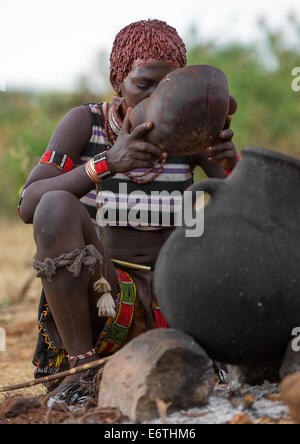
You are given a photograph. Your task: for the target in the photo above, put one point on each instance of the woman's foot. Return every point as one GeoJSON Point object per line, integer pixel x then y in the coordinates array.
{"type": "Point", "coordinates": [76, 386]}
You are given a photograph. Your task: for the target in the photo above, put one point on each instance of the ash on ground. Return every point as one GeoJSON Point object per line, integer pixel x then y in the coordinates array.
{"type": "Point", "coordinates": [222, 407]}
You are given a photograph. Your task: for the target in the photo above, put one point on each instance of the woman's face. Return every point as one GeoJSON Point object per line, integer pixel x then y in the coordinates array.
{"type": "Point", "coordinates": [143, 80]}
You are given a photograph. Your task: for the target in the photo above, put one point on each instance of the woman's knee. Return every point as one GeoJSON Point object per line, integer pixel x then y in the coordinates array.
{"type": "Point", "coordinates": [56, 215]}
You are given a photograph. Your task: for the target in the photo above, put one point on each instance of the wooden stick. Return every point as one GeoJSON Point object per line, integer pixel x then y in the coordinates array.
{"type": "Point", "coordinates": [72, 371]}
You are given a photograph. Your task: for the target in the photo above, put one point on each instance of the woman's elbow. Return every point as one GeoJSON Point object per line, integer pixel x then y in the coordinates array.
{"type": "Point", "coordinates": [25, 215]}
{"type": "Point", "coordinates": [24, 212]}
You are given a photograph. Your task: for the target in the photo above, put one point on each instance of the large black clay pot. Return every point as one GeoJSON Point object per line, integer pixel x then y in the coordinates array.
{"type": "Point", "coordinates": [188, 109]}
{"type": "Point", "coordinates": [236, 289]}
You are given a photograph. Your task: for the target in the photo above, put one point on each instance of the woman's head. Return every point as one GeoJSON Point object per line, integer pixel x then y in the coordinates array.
{"type": "Point", "coordinates": [147, 43]}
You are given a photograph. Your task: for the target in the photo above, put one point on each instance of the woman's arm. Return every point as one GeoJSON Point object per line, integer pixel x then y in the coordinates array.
{"type": "Point", "coordinates": [211, 169]}
{"type": "Point", "coordinates": [70, 138]}
{"type": "Point", "coordinates": [218, 160]}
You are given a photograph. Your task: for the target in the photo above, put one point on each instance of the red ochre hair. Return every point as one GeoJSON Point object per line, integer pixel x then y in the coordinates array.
{"type": "Point", "coordinates": [146, 39]}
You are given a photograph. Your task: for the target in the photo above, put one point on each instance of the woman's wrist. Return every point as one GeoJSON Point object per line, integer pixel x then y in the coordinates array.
{"type": "Point", "coordinates": [235, 162]}
{"type": "Point", "coordinates": [91, 172]}
{"type": "Point", "coordinates": [98, 169]}
{"type": "Point", "coordinates": [110, 162]}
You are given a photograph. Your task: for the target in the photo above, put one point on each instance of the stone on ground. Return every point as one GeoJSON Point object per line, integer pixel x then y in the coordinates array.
{"type": "Point", "coordinates": [161, 364]}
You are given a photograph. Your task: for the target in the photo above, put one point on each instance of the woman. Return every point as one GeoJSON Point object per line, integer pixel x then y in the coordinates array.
{"type": "Point", "coordinates": [59, 199]}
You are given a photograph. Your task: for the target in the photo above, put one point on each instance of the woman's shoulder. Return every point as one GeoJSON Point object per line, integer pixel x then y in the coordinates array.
{"type": "Point", "coordinates": [84, 113]}
{"type": "Point", "coordinates": [79, 115]}
{"type": "Point", "coordinates": [79, 121]}
{"type": "Point", "coordinates": [73, 132]}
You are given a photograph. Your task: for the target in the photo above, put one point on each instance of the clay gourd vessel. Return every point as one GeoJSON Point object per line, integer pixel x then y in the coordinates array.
{"type": "Point", "coordinates": [188, 109]}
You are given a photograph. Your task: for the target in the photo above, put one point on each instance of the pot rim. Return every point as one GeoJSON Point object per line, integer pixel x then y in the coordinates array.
{"type": "Point", "coordinates": [274, 155]}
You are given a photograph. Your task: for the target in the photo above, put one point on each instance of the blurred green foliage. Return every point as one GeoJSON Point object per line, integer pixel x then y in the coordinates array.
{"type": "Point", "coordinates": [259, 77]}
{"type": "Point", "coordinates": [261, 81]}
{"type": "Point", "coordinates": [27, 121]}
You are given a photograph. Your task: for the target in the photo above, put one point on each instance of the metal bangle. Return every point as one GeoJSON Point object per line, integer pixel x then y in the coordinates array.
{"type": "Point", "coordinates": [91, 172]}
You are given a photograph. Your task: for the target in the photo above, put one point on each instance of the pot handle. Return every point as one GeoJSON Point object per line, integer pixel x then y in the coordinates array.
{"type": "Point", "coordinates": [210, 186]}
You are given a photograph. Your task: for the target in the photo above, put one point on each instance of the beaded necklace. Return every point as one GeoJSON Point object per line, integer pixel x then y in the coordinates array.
{"type": "Point", "coordinates": [112, 129]}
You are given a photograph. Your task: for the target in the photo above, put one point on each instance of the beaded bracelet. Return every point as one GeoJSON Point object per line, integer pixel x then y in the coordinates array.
{"type": "Point", "coordinates": [74, 359]}
{"type": "Point", "coordinates": [59, 160]}
{"type": "Point", "coordinates": [97, 168]}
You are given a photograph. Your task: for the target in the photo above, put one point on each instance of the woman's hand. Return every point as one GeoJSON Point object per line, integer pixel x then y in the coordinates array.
{"type": "Point", "coordinates": [224, 151]}
{"type": "Point", "coordinates": [130, 150]}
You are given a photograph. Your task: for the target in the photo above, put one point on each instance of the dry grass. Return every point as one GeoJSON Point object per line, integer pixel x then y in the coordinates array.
{"type": "Point", "coordinates": [16, 255]}
{"type": "Point", "coordinates": [19, 298]}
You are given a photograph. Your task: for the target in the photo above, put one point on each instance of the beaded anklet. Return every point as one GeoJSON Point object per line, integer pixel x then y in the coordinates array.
{"type": "Point", "coordinates": [74, 359]}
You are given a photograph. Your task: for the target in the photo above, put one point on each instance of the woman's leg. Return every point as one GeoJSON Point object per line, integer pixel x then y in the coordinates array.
{"type": "Point", "coordinates": [61, 225]}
